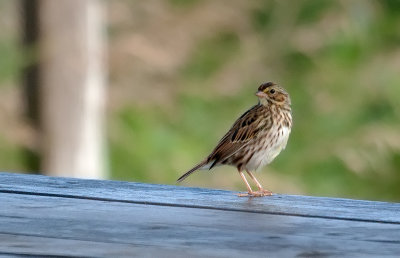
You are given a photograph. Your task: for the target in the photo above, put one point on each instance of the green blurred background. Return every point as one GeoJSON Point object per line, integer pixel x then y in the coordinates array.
{"type": "Point", "coordinates": [181, 72]}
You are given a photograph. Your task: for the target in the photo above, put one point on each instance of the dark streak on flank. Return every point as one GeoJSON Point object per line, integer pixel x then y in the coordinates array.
{"type": "Point", "coordinates": [249, 158]}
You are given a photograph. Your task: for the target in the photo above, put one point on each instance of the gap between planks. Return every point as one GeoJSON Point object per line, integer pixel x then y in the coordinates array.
{"type": "Point", "coordinates": [70, 196]}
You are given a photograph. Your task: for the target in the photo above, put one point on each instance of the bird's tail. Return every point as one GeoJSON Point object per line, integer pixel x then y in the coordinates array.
{"type": "Point", "coordinates": [198, 166]}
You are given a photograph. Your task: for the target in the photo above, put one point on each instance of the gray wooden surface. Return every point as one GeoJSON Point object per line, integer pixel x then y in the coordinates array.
{"type": "Point", "coordinates": [66, 217]}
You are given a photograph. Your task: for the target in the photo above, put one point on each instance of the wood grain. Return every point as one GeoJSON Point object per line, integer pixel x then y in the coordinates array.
{"type": "Point", "coordinates": [63, 217]}
{"type": "Point", "coordinates": [200, 232]}
{"type": "Point", "coordinates": [321, 207]}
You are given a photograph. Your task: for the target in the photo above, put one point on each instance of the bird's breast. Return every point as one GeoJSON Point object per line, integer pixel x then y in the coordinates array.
{"type": "Point", "coordinates": [272, 143]}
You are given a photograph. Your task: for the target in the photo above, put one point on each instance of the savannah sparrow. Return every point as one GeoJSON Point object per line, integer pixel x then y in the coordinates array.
{"type": "Point", "coordinates": [256, 138]}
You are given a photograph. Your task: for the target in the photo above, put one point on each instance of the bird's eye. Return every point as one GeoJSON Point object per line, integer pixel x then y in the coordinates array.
{"type": "Point", "coordinates": [272, 91]}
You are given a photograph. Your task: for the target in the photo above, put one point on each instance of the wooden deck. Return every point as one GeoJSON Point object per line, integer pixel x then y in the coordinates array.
{"type": "Point", "coordinates": [65, 217]}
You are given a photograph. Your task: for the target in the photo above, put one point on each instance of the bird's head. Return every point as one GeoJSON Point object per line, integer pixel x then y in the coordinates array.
{"type": "Point", "coordinates": [270, 92]}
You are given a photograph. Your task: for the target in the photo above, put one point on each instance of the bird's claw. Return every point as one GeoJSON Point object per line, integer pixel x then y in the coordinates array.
{"type": "Point", "coordinates": [259, 193]}
{"type": "Point", "coordinates": [265, 192]}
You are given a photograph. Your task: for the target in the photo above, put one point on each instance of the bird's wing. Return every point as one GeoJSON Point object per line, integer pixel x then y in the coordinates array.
{"type": "Point", "coordinates": [243, 131]}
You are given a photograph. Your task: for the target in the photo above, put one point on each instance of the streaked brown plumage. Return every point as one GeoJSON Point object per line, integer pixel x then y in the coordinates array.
{"type": "Point", "coordinates": [256, 138]}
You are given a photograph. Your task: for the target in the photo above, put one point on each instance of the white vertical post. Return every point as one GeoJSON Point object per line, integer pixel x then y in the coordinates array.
{"type": "Point", "coordinates": [72, 92]}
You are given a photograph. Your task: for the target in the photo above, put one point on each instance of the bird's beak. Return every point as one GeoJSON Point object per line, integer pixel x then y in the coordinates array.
{"type": "Point", "coordinates": [261, 94]}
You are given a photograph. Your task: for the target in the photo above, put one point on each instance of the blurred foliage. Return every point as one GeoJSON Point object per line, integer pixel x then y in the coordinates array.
{"type": "Point", "coordinates": [11, 60]}
{"type": "Point", "coordinates": [210, 56]}
{"type": "Point", "coordinates": [339, 60]}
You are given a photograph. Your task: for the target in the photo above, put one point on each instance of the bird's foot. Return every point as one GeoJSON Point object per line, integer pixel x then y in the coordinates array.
{"type": "Point", "coordinates": [259, 193]}
{"type": "Point", "coordinates": [265, 192]}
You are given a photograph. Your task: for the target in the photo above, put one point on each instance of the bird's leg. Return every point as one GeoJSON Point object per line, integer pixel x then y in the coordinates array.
{"type": "Point", "coordinates": [260, 188]}
{"type": "Point", "coordinates": [250, 191]}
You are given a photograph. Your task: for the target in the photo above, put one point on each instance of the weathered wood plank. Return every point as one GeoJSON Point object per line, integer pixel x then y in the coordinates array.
{"type": "Point", "coordinates": [26, 245]}
{"type": "Point", "coordinates": [138, 228]}
{"type": "Point", "coordinates": [201, 198]}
